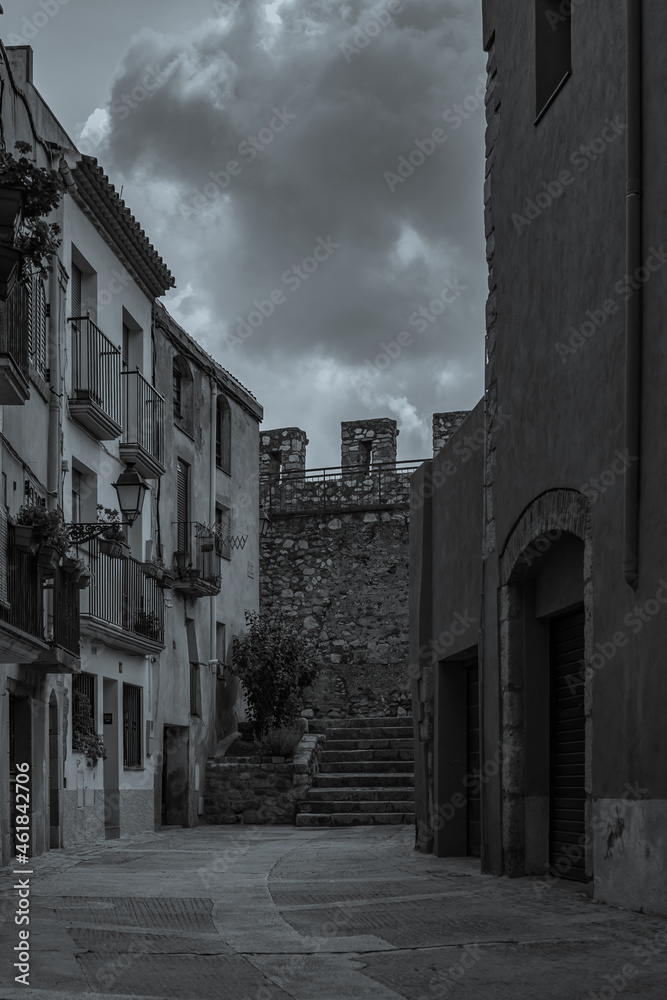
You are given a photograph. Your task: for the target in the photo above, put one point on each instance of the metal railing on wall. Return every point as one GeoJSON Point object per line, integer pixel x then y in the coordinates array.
{"type": "Point", "coordinates": [95, 367]}
{"type": "Point", "coordinates": [121, 594]}
{"type": "Point", "coordinates": [144, 414]}
{"type": "Point", "coordinates": [329, 490]}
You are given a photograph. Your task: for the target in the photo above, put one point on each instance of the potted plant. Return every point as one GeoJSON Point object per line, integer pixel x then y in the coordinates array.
{"type": "Point", "coordinates": [49, 530]}
{"type": "Point", "coordinates": [28, 193]}
{"type": "Point", "coordinates": [78, 570]}
{"type": "Point", "coordinates": [84, 738]}
{"type": "Point", "coordinates": [25, 538]}
{"type": "Point", "coordinates": [112, 540]}
{"type": "Point", "coordinates": [149, 624]}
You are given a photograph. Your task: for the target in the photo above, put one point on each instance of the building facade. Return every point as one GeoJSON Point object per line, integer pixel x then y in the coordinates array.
{"type": "Point", "coordinates": [98, 380]}
{"type": "Point", "coordinates": [539, 724]}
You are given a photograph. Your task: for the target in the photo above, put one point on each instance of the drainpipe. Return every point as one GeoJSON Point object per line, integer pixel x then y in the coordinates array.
{"type": "Point", "coordinates": [213, 483]}
{"type": "Point", "coordinates": [633, 308]}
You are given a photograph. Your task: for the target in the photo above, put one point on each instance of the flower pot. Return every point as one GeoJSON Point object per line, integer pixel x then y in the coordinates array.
{"type": "Point", "coordinates": [25, 539]}
{"type": "Point", "coordinates": [151, 569]}
{"type": "Point", "coordinates": [11, 201]}
{"type": "Point", "coordinates": [49, 557]}
{"type": "Point", "coordinates": [83, 581]}
{"type": "Point", "coordinates": [113, 548]}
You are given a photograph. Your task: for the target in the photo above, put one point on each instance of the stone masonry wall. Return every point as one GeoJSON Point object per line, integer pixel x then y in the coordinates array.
{"type": "Point", "coordinates": [250, 790]}
{"type": "Point", "coordinates": [345, 577]}
{"type": "Point", "coordinates": [444, 425]}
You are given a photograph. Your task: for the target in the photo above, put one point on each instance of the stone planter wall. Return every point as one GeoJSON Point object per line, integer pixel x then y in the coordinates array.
{"type": "Point", "coordinates": [248, 790]}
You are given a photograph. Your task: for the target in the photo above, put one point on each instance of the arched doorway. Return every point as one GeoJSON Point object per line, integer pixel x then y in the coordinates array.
{"type": "Point", "coordinates": [545, 635]}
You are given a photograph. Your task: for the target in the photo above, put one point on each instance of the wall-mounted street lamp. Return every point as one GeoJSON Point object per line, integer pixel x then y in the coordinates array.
{"type": "Point", "coordinates": [131, 489]}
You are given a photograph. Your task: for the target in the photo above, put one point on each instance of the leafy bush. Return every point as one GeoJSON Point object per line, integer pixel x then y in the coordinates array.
{"type": "Point", "coordinates": [84, 738]}
{"type": "Point", "coordinates": [281, 742]}
{"type": "Point", "coordinates": [271, 661]}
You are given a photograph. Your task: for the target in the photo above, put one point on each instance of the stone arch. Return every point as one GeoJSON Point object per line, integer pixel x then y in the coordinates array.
{"type": "Point", "coordinates": [553, 528]}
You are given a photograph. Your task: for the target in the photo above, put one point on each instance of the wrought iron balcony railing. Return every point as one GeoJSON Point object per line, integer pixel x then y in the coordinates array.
{"type": "Point", "coordinates": [121, 595]}
{"type": "Point", "coordinates": [329, 490]}
{"type": "Point", "coordinates": [96, 387]}
{"type": "Point", "coordinates": [24, 591]}
{"type": "Point", "coordinates": [143, 429]}
{"type": "Point", "coordinates": [197, 559]}
{"type": "Point", "coordinates": [15, 346]}
{"type": "Point", "coordinates": [44, 605]}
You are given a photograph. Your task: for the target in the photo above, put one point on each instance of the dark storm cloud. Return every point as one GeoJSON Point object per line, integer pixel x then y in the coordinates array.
{"type": "Point", "coordinates": [262, 140]}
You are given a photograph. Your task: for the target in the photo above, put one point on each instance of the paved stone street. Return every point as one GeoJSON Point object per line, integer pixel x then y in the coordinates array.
{"type": "Point", "coordinates": [264, 913]}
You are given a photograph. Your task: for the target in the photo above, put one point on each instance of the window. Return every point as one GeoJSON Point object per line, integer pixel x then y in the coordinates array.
{"type": "Point", "coordinates": [223, 531]}
{"type": "Point", "coordinates": [76, 291]}
{"type": "Point", "coordinates": [223, 435]}
{"type": "Point", "coordinates": [553, 63]}
{"type": "Point", "coordinates": [37, 324]}
{"type": "Point", "coordinates": [83, 686]}
{"type": "Point", "coordinates": [132, 726]}
{"type": "Point", "coordinates": [195, 700]}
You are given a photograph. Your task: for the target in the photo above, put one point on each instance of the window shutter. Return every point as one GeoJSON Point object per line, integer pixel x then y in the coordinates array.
{"type": "Point", "coordinates": [182, 504]}
{"type": "Point", "coordinates": [4, 588]}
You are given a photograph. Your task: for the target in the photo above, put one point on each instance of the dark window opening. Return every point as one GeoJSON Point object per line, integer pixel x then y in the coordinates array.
{"type": "Point", "coordinates": [177, 390]}
{"type": "Point", "coordinates": [223, 435]}
{"type": "Point", "coordinates": [553, 51]}
{"type": "Point", "coordinates": [132, 725]}
{"type": "Point", "coordinates": [195, 701]}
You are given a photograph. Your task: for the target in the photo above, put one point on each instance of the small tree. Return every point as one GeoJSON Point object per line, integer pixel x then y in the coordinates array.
{"type": "Point", "coordinates": [271, 662]}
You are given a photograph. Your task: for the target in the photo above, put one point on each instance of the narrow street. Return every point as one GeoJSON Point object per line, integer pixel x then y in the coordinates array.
{"type": "Point", "coordinates": [260, 913]}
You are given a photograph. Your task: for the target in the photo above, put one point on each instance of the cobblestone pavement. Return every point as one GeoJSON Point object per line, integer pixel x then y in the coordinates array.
{"type": "Point", "coordinates": [260, 913]}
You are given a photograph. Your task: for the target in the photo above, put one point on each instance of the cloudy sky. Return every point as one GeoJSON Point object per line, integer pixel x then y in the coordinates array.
{"type": "Point", "coordinates": [327, 244]}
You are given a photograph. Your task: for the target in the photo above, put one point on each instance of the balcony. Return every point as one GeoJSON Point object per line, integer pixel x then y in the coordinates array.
{"type": "Point", "coordinates": [96, 388]}
{"type": "Point", "coordinates": [143, 441]}
{"type": "Point", "coordinates": [39, 617]}
{"type": "Point", "coordinates": [122, 607]}
{"type": "Point", "coordinates": [197, 560]}
{"type": "Point", "coordinates": [15, 346]}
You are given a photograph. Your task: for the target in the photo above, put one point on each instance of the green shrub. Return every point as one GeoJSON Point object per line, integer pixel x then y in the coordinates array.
{"type": "Point", "coordinates": [281, 742]}
{"type": "Point", "coordinates": [271, 661]}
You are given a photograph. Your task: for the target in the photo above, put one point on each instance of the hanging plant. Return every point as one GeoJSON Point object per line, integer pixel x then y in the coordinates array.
{"type": "Point", "coordinates": [84, 738]}
{"type": "Point", "coordinates": [49, 528]}
{"type": "Point", "coordinates": [30, 194]}
{"type": "Point", "coordinates": [110, 517]}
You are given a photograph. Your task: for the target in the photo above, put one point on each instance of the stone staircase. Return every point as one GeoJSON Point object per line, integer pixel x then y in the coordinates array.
{"type": "Point", "coordinates": [366, 774]}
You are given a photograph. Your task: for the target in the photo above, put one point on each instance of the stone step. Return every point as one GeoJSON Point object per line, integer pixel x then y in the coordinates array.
{"type": "Point", "coordinates": [321, 725]}
{"type": "Point", "coordinates": [372, 766]}
{"type": "Point", "coordinates": [369, 733]}
{"type": "Point", "coordinates": [368, 744]}
{"type": "Point", "coordinates": [380, 755]}
{"type": "Point", "coordinates": [355, 779]}
{"type": "Point", "coordinates": [390, 793]}
{"type": "Point", "coordinates": [332, 806]}
{"type": "Point", "coordinates": [353, 819]}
